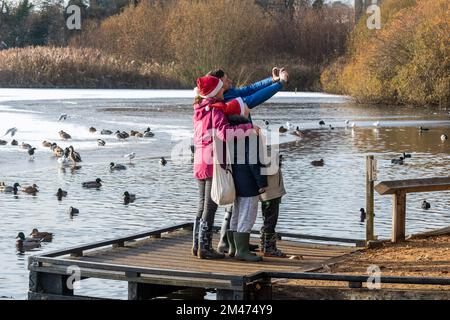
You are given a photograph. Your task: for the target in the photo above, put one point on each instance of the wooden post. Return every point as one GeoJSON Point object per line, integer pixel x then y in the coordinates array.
{"type": "Point", "coordinates": [370, 178]}
{"type": "Point", "coordinates": [399, 216]}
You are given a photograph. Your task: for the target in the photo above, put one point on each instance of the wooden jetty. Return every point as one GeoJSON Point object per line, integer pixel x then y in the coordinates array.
{"type": "Point", "coordinates": [159, 262]}
{"type": "Point", "coordinates": [399, 189]}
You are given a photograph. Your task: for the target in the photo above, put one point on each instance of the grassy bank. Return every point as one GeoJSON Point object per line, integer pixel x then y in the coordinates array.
{"type": "Point", "coordinates": [55, 67]}
{"type": "Point", "coordinates": [50, 67]}
{"type": "Point", "coordinates": [407, 61]}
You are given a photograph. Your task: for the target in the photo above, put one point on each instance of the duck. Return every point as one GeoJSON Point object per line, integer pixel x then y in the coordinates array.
{"type": "Point", "coordinates": [149, 134]}
{"type": "Point", "coordinates": [426, 205]}
{"type": "Point", "coordinates": [106, 132]}
{"type": "Point", "coordinates": [117, 167]}
{"type": "Point", "coordinates": [121, 135]}
{"type": "Point", "coordinates": [2, 186]}
{"type": "Point", "coordinates": [130, 156]}
{"type": "Point", "coordinates": [133, 133]}
{"type": "Point", "coordinates": [147, 130]}
{"type": "Point", "coordinates": [25, 244]}
{"type": "Point", "coordinates": [101, 143]}
{"type": "Point", "coordinates": [444, 137]}
{"type": "Point", "coordinates": [3, 143]}
{"type": "Point", "coordinates": [92, 130]}
{"type": "Point", "coordinates": [14, 143]}
{"type": "Point", "coordinates": [363, 214]}
{"type": "Point", "coordinates": [25, 146]}
{"type": "Point", "coordinates": [62, 117]}
{"type": "Point", "coordinates": [282, 130]}
{"type": "Point", "coordinates": [422, 129]}
{"type": "Point", "coordinates": [318, 163]}
{"type": "Point", "coordinates": [73, 211]}
{"type": "Point", "coordinates": [11, 131]}
{"type": "Point", "coordinates": [321, 123]}
{"type": "Point", "coordinates": [74, 156]}
{"type": "Point", "coordinates": [399, 161]}
{"type": "Point", "coordinates": [31, 153]}
{"type": "Point", "coordinates": [8, 189]}
{"type": "Point", "coordinates": [61, 194]}
{"type": "Point", "coordinates": [297, 132]}
{"type": "Point", "coordinates": [46, 144]}
{"type": "Point", "coordinates": [31, 189]}
{"type": "Point", "coordinates": [41, 236]}
{"type": "Point", "coordinates": [93, 184]}
{"type": "Point", "coordinates": [128, 198]}
{"type": "Point", "coordinates": [163, 161]}
{"type": "Point", "coordinates": [406, 156]}
{"type": "Point", "coordinates": [331, 127]}
{"type": "Point", "coordinates": [139, 135]}
{"type": "Point", "coordinates": [64, 135]}
{"type": "Point", "coordinates": [58, 152]}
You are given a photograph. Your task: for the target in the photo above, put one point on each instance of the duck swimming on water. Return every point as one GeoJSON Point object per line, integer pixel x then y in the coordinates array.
{"type": "Point", "coordinates": [8, 189]}
{"type": "Point", "coordinates": [318, 163]}
{"type": "Point", "coordinates": [41, 236]}
{"type": "Point", "coordinates": [116, 167]}
{"type": "Point", "coordinates": [106, 132]}
{"type": "Point", "coordinates": [426, 205]}
{"type": "Point", "coordinates": [26, 244]}
{"type": "Point", "coordinates": [3, 143]}
{"type": "Point", "coordinates": [101, 143]}
{"type": "Point", "coordinates": [14, 143]}
{"type": "Point", "coordinates": [31, 189]}
{"type": "Point", "coordinates": [61, 194]}
{"type": "Point", "coordinates": [128, 198]}
{"type": "Point", "coordinates": [93, 184]}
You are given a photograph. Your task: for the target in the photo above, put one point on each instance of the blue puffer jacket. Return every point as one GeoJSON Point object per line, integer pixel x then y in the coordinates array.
{"type": "Point", "coordinates": [254, 94]}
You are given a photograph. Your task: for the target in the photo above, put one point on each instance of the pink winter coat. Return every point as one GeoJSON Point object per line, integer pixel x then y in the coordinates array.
{"type": "Point", "coordinates": [205, 119]}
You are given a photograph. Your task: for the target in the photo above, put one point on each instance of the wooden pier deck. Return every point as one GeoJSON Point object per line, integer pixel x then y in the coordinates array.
{"type": "Point", "coordinates": [159, 262]}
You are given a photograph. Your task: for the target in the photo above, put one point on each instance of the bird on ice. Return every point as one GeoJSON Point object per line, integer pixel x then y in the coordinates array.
{"type": "Point", "coordinates": [130, 156]}
{"type": "Point", "coordinates": [11, 131]}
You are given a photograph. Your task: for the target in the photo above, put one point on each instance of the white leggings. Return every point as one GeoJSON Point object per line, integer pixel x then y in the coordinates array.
{"type": "Point", "coordinates": [244, 215]}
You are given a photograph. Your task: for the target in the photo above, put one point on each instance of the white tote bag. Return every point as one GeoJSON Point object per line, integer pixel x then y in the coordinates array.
{"type": "Point", "coordinates": [223, 191]}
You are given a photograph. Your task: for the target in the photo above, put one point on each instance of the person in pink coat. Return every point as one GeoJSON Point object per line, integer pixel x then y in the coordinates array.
{"type": "Point", "coordinates": [210, 119]}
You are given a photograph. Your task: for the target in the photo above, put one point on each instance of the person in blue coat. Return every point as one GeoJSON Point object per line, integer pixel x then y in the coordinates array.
{"type": "Point", "coordinates": [253, 95]}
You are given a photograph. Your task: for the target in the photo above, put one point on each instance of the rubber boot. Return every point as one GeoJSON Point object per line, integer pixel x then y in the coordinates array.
{"type": "Point", "coordinates": [231, 245]}
{"type": "Point", "coordinates": [223, 245]}
{"type": "Point", "coordinates": [241, 240]}
{"type": "Point", "coordinates": [269, 246]}
{"type": "Point", "coordinates": [205, 250]}
{"type": "Point", "coordinates": [195, 232]}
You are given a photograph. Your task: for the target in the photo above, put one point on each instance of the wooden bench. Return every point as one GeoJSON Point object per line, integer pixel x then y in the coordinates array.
{"type": "Point", "coordinates": [399, 189]}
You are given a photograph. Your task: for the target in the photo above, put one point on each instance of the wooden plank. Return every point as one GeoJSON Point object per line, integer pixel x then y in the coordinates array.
{"type": "Point", "coordinates": [399, 217]}
{"type": "Point", "coordinates": [125, 268]}
{"type": "Point", "coordinates": [114, 241]}
{"type": "Point", "coordinates": [370, 198]}
{"type": "Point", "coordinates": [119, 276]}
{"type": "Point", "coordinates": [413, 185]}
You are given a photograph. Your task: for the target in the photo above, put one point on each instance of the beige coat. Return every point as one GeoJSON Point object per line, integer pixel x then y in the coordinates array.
{"type": "Point", "coordinates": [275, 187]}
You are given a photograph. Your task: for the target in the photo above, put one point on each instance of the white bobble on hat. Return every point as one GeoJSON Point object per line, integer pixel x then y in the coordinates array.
{"type": "Point", "coordinates": [207, 108]}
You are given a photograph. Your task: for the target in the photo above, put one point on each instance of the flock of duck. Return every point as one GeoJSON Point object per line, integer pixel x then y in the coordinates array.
{"type": "Point", "coordinates": [67, 157]}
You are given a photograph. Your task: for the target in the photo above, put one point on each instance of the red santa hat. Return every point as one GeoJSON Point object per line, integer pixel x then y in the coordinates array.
{"type": "Point", "coordinates": [208, 86]}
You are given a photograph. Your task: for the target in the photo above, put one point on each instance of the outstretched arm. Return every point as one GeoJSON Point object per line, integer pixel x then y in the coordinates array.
{"type": "Point", "coordinates": [247, 90]}
{"type": "Point", "coordinates": [263, 95]}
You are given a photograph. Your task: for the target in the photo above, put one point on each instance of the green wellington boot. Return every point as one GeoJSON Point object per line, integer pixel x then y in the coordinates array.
{"type": "Point", "coordinates": [241, 240]}
{"type": "Point", "coordinates": [231, 246]}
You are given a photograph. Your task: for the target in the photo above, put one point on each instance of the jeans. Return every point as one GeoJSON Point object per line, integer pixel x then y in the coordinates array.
{"type": "Point", "coordinates": [206, 206]}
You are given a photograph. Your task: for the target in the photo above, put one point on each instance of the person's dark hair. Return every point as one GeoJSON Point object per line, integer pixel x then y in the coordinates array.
{"type": "Point", "coordinates": [219, 73]}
